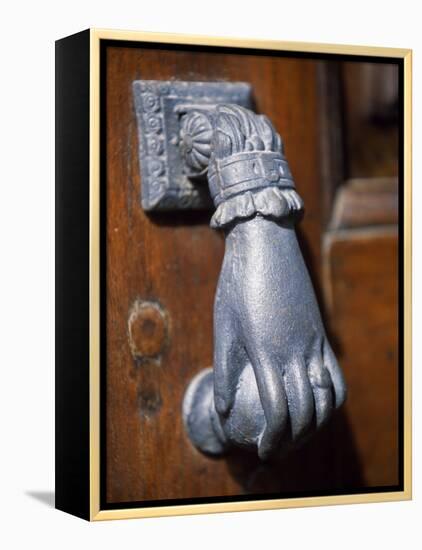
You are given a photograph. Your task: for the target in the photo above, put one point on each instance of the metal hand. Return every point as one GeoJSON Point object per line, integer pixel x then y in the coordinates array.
{"type": "Point", "coordinates": [275, 375]}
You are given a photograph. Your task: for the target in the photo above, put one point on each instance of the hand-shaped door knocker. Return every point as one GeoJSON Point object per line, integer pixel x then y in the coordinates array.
{"type": "Point", "coordinates": [275, 376]}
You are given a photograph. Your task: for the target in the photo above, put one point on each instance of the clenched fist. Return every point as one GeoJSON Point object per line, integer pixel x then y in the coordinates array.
{"type": "Point", "coordinates": [275, 375]}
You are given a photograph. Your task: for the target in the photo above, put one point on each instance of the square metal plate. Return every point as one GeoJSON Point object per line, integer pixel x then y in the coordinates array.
{"type": "Point", "coordinates": [164, 184]}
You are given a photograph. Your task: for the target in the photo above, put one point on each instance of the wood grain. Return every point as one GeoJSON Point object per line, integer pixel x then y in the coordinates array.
{"type": "Point", "coordinates": [371, 114]}
{"type": "Point", "coordinates": [365, 202]}
{"type": "Point", "coordinates": [362, 277]}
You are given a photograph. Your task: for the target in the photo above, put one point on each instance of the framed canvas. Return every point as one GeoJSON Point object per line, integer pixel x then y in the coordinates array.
{"type": "Point", "coordinates": [233, 277]}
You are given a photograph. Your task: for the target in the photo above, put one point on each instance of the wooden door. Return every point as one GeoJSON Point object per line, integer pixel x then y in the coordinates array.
{"type": "Point", "coordinates": [161, 275]}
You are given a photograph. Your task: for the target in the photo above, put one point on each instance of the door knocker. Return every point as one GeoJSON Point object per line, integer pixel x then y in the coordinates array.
{"type": "Point", "coordinates": [275, 377]}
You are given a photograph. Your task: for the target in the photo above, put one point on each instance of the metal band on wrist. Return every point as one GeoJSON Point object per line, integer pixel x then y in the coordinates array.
{"type": "Point", "coordinates": [248, 171]}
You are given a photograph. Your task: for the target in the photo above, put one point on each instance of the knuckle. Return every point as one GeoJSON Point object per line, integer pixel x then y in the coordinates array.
{"type": "Point", "coordinates": [319, 377]}
{"type": "Point", "coordinates": [301, 416]}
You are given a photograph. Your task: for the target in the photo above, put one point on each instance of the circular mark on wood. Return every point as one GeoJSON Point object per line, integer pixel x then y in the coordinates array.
{"type": "Point", "coordinates": [148, 329]}
{"type": "Point", "coordinates": [149, 401]}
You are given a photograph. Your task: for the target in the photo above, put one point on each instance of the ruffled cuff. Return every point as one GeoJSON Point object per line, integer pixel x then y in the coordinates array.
{"type": "Point", "coordinates": [272, 202]}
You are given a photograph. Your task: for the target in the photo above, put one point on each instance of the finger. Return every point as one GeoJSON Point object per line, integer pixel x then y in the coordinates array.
{"type": "Point", "coordinates": [275, 405]}
{"type": "Point", "coordinates": [321, 384]}
{"type": "Point", "coordinates": [300, 398]}
{"type": "Point", "coordinates": [229, 359]}
{"type": "Point", "coordinates": [336, 374]}
{"type": "Point", "coordinates": [269, 380]}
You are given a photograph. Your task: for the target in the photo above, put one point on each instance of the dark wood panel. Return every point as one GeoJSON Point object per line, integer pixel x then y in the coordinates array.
{"type": "Point", "coordinates": [365, 202]}
{"type": "Point", "coordinates": [361, 270]}
{"type": "Point", "coordinates": [371, 115]}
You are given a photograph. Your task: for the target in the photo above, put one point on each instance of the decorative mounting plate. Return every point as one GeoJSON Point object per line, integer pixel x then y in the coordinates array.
{"type": "Point", "coordinates": [160, 106]}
